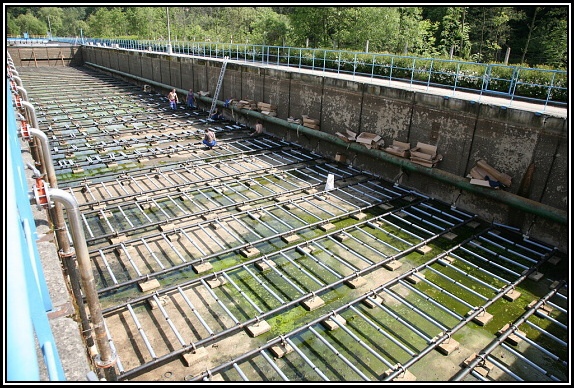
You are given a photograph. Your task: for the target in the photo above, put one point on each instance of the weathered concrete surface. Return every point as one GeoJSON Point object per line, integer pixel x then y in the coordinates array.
{"type": "Point", "coordinates": [530, 146]}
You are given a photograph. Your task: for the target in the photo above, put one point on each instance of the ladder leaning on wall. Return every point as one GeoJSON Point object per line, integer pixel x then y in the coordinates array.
{"type": "Point", "coordinates": [218, 87]}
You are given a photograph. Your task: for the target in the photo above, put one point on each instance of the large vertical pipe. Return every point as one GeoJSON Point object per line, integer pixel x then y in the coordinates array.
{"type": "Point", "coordinates": [64, 250]}
{"type": "Point", "coordinates": [34, 148]}
{"type": "Point", "coordinates": [106, 359]}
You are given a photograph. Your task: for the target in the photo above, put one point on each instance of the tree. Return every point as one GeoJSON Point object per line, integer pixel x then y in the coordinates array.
{"type": "Point", "coordinates": [540, 36]}
{"type": "Point", "coordinates": [454, 35]}
{"type": "Point", "coordinates": [269, 28]}
{"type": "Point", "coordinates": [28, 23]}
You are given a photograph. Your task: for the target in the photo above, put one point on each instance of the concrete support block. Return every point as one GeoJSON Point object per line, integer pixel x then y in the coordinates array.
{"type": "Point", "coordinates": [330, 323]}
{"type": "Point", "coordinates": [512, 295]}
{"type": "Point", "coordinates": [340, 237]}
{"type": "Point", "coordinates": [446, 260]}
{"type": "Point", "coordinates": [536, 276]}
{"type": "Point", "coordinates": [482, 318]}
{"type": "Point", "coordinates": [554, 260]}
{"type": "Point", "coordinates": [258, 328]}
{"type": "Point", "coordinates": [105, 214]}
{"type": "Point", "coordinates": [163, 300]}
{"type": "Point", "coordinates": [512, 339]}
{"type": "Point", "coordinates": [424, 249]}
{"type": "Point", "coordinates": [359, 216]}
{"type": "Point", "coordinates": [202, 267]}
{"type": "Point", "coordinates": [386, 206]}
{"type": "Point", "coordinates": [326, 227]}
{"type": "Point", "coordinates": [213, 283]}
{"type": "Point", "coordinates": [173, 236]}
{"type": "Point", "coordinates": [123, 251]}
{"type": "Point", "coordinates": [473, 224]}
{"type": "Point", "coordinates": [482, 368]}
{"type": "Point", "coordinates": [249, 252]}
{"type": "Point", "coordinates": [290, 238]}
{"type": "Point", "coordinates": [262, 266]}
{"type": "Point", "coordinates": [448, 346]}
{"type": "Point", "coordinates": [243, 208]}
{"type": "Point", "coordinates": [255, 215]}
{"type": "Point", "coordinates": [402, 377]}
{"type": "Point", "coordinates": [196, 361]}
{"type": "Point", "coordinates": [356, 282]}
{"type": "Point", "coordinates": [369, 303]}
{"type": "Point", "coordinates": [414, 279]}
{"type": "Point", "coordinates": [313, 303]}
{"type": "Point", "coordinates": [450, 236]}
{"type": "Point", "coordinates": [208, 216]}
{"type": "Point", "coordinates": [392, 265]}
{"type": "Point", "coordinates": [149, 285]}
{"type": "Point", "coordinates": [281, 350]}
{"type": "Point", "coordinates": [307, 249]}
{"type": "Point", "coordinates": [118, 239]}
{"type": "Point", "coordinates": [167, 227]}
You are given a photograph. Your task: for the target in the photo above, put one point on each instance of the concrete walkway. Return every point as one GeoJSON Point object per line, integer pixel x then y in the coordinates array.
{"type": "Point", "coordinates": [502, 101]}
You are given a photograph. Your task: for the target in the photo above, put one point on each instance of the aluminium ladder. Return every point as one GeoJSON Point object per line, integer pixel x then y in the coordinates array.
{"type": "Point", "coordinates": [217, 88]}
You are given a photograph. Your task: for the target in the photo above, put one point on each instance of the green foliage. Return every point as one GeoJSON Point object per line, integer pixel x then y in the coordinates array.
{"type": "Point", "coordinates": [537, 35]}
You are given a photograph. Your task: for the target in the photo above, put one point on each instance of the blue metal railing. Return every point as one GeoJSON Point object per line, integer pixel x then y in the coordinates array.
{"type": "Point", "coordinates": [536, 85]}
{"type": "Point", "coordinates": [27, 296]}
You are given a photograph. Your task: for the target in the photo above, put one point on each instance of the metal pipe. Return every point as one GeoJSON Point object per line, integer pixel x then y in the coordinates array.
{"type": "Point", "coordinates": [492, 346]}
{"type": "Point", "coordinates": [106, 358]}
{"type": "Point", "coordinates": [17, 79]}
{"type": "Point", "coordinates": [35, 149]}
{"type": "Point", "coordinates": [22, 92]}
{"type": "Point", "coordinates": [64, 249]}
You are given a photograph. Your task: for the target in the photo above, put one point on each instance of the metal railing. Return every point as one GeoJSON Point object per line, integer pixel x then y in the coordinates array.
{"type": "Point", "coordinates": [537, 85]}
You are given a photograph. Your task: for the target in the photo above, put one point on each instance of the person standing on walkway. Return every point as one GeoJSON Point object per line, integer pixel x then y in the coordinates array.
{"type": "Point", "coordinates": [173, 100]}
{"type": "Point", "coordinates": [190, 100]}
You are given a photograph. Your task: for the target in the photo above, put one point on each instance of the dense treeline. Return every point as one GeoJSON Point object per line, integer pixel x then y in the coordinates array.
{"type": "Point", "coordinates": [529, 35]}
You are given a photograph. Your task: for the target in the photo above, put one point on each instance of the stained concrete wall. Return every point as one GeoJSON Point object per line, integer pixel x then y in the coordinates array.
{"type": "Point", "coordinates": [42, 55]}
{"type": "Point", "coordinates": [464, 132]}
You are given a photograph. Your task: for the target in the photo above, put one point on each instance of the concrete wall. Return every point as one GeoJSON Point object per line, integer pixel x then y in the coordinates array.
{"type": "Point", "coordinates": [530, 147]}
{"type": "Point", "coordinates": [41, 55]}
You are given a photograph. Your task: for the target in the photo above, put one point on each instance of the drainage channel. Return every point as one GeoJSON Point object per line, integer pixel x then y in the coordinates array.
{"type": "Point", "coordinates": [238, 264]}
